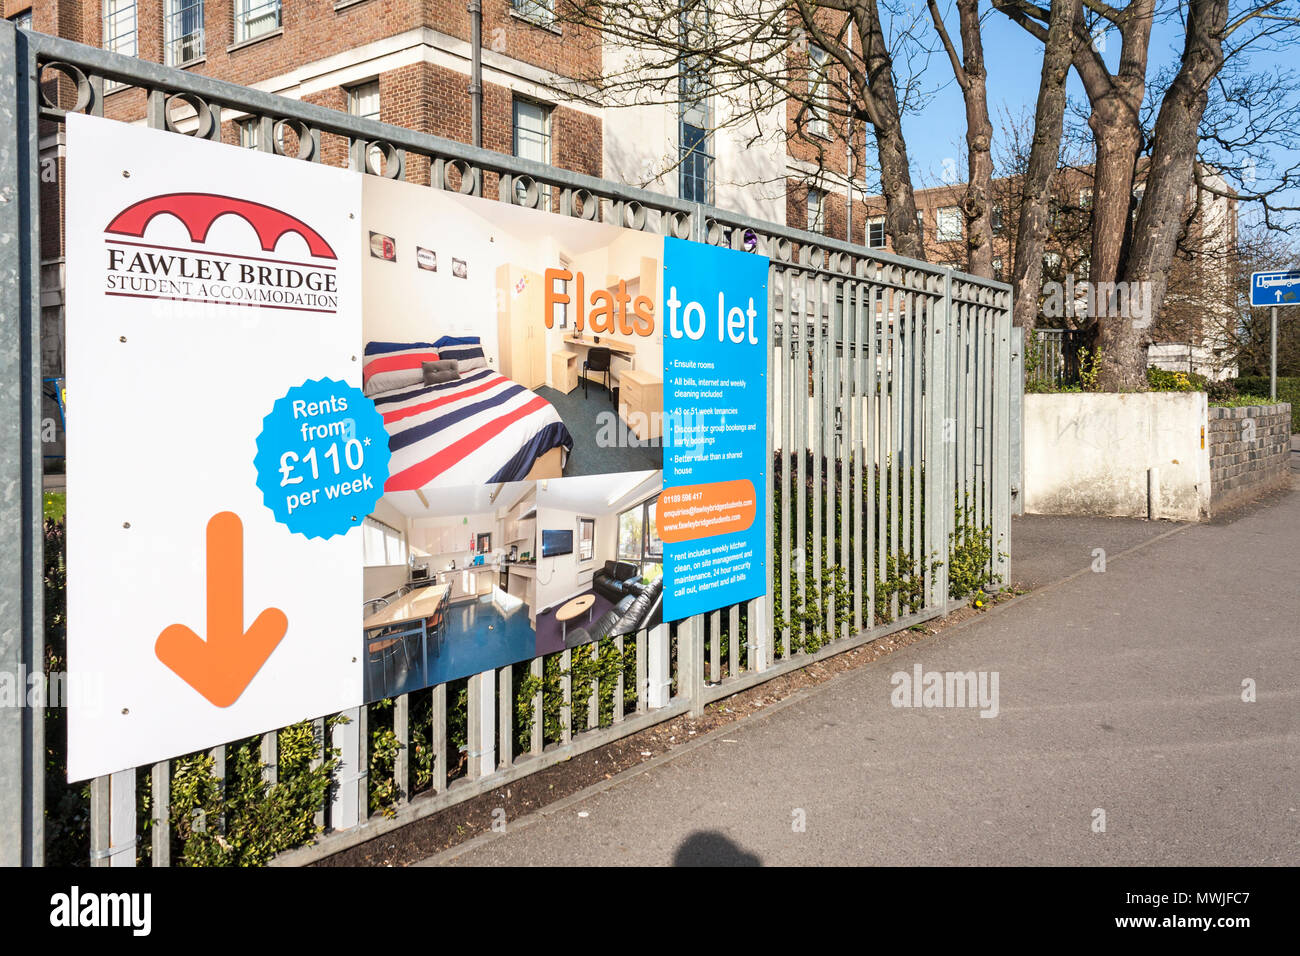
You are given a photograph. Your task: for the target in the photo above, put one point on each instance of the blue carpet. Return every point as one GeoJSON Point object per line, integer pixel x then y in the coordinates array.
{"type": "Point", "coordinates": [587, 458]}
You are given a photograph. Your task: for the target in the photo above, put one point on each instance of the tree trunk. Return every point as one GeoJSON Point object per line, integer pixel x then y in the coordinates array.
{"type": "Point", "coordinates": [1049, 118]}
{"type": "Point", "coordinates": [1117, 141]}
{"type": "Point", "coordinates": [1168, 188]}
{"type": "Point", "coordinates": [1116, 124]}
{"type": "Point", "coordinates": [891, 147]}
{"type": "Point", "coordinates": [978, 204]}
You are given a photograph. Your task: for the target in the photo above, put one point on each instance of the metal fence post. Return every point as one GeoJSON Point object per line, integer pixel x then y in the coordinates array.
{"type": "Point", "coordinates": [350, 787]}
{"type": "Point", "coordinates": [659, 684]}
{"type": "Point", "coordinates": [1017, 432]}
{"type": "Point", "coordinates": [22, 637]}
{"type": "Point", "coordinates": [690, 662]}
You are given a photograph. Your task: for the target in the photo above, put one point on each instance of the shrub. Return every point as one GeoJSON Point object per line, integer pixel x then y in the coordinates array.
{"type": "Point", "coordinates": [1288, 390]}
{"type": "Point", "coordinates": [1162, 380]}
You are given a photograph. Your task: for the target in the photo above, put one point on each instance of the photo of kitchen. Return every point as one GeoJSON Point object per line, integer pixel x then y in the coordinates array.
{"type": "Point", "coordinates": [600, 567]}
{"type": "Point", "coordinates": [450, 584]}
{"type": "Point", "coordinates": [473, 386]}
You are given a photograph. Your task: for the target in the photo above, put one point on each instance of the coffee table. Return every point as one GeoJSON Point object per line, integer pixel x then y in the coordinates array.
{"type": "Point", "coordinates": [579, 605]}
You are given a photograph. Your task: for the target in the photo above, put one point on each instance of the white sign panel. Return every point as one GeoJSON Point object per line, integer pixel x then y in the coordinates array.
{"type": "Point", "coordinates": [205, 282]}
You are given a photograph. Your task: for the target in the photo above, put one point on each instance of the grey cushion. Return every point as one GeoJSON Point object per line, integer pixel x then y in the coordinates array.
{"type": "Point", "coordinates": [438, 376]}
{"type": "Point", "coordinates": [440, 365]}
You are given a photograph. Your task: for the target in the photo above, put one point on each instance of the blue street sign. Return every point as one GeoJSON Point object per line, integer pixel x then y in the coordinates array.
{"type": "Point", "coordinates": [1275, 288]}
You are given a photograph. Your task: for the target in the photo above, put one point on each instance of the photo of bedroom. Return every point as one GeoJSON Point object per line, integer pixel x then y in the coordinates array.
{"type": "Point", "coordinates": [600, 566]}
{"type": "Point", "coordinates": [450, 585]}
{"type": "Point", "coordinates": [473, 385]}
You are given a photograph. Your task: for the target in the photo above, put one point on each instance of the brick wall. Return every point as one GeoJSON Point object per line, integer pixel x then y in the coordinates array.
{"type": "Point", "coordinates": [1250, 453]}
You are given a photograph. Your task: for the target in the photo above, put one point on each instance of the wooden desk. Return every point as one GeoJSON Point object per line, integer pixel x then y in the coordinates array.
{"type": "Point", "coordinates": [589, 341]}
{"type": "Point", "coordinates": [420, 605]}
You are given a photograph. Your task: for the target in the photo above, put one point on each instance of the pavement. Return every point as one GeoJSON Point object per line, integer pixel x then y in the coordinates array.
{"type": "Point", "coordinates": [1121, 735]}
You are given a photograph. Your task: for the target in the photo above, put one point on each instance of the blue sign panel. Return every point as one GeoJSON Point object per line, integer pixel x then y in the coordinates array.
{"type": "Point", "coordinates": [711, 516]}
{"type": "Point", "coordinates": [1275, 288]}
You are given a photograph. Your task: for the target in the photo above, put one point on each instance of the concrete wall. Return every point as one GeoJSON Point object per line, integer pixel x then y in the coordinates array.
{"type": "Point", "coordinates": [1090, 453]}
{"type": "Point", "coordinates": [1250, 452]}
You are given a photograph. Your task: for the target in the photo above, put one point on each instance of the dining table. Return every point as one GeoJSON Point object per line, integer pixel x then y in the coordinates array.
{"type": "Point", "coordinates": [419, 605]}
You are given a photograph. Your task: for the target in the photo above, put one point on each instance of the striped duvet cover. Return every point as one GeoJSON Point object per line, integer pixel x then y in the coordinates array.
{"type": "Point", "coordinates": [481, 429]}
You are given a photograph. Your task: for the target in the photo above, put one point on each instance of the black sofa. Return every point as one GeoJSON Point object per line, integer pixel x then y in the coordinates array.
{"type": "Point", "coordinates": [613, 581]}
{"type": "Point", "coordinates": [642, 607]}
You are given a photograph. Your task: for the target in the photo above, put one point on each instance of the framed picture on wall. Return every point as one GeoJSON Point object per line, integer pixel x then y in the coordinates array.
{"type": "Point", "coordinates": [483, 543]}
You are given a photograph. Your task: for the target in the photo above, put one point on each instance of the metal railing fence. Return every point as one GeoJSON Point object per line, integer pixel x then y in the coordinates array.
{"type": "Point", "coordinates": [892, 387]}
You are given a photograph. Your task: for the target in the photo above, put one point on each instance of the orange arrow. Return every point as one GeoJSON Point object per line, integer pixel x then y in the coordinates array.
{"type": "Point", "coordinates": [221, 667]}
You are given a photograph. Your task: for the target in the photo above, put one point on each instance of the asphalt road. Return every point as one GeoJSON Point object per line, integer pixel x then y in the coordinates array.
{"type": "Point", "coordinates": [1119, 691]}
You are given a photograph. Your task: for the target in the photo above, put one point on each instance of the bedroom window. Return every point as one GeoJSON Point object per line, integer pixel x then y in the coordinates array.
{"type": "Point", "coordinates": [381, 544]}
{"type": "Point", "coordinates": [586, 539]}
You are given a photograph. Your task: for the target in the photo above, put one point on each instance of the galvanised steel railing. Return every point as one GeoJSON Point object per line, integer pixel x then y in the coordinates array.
{"type": "Point", "coordinates": [892, 403]}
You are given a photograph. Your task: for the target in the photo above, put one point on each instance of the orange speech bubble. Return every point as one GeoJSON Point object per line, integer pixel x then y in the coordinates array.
{"type": "Point", "coordinates": [701, 511]}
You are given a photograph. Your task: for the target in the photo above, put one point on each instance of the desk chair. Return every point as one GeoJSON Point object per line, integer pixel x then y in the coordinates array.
{"type": "Point", "coordinates": [597, 360]}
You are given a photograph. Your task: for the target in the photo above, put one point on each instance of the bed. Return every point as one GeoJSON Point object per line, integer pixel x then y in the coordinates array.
{"type": "Point", "coordinates": [482, 428]}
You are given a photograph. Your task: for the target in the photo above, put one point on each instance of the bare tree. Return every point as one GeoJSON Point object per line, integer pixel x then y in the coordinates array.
{"type": "Point", "coordinates": [759, 58]}
{"type": "Point", "coordinates": [1141, 249]}
{"type": "Point", "coordinates": [971, 76]}
{"type": "Point", "coordinates": [1044, 156]}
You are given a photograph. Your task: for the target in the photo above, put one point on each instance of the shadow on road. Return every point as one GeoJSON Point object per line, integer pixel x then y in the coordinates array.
{"type": "Point", "coordinates": [710, 848]}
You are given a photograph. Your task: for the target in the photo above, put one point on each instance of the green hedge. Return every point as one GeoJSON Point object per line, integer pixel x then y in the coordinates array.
{"type": "Point", "coordinates": [1288, 390]}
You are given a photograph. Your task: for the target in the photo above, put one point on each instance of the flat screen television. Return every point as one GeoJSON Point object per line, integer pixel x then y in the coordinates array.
{"type": "Point", "coordinates": [556, 541]}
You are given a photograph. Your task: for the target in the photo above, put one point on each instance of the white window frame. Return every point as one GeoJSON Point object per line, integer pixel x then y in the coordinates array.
{"type": "Point", "coordinates": [22, 20]}
{"type": "Point", "coordinates": [816, 221]}
{"type": "Point", "coordinates": [818, 92]}
{"type": "Point", "coordinates": [121, 27]}
{"type": "Point", "coordinates": [250, 132]}
{"type": "Point", "coordinates": [945, 218]}
{"type": "Point", "coordinates": [545, 137]}
{"type": "Point", "coordinates": [587, 549]}
{"type": "Point", "coordinates": [255, 18]}
{"type": "Point", "coordinates": [876, 232]}
{"type": "Point", "coordinates": [359, 106]}
{"type": "Point", "coordinates": [538, 11]}
{"type": "Point", "coordinates": [175, 40]}
{"type": "Point", "coordinates": [920, 224]}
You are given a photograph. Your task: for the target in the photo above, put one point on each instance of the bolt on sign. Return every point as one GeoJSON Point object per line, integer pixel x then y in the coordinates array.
{"type": "Point", "coordinates": [345, 438]}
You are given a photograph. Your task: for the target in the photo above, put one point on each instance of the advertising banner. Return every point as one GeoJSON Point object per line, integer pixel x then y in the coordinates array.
{"type": "Point", "coordinates": [346, 437]}
{"type": "Point", "coordinates": [205, 286]}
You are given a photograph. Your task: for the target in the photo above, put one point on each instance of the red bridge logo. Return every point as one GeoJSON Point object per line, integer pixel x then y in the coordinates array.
{"type": "Point", "coordinates": [198, 211]}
